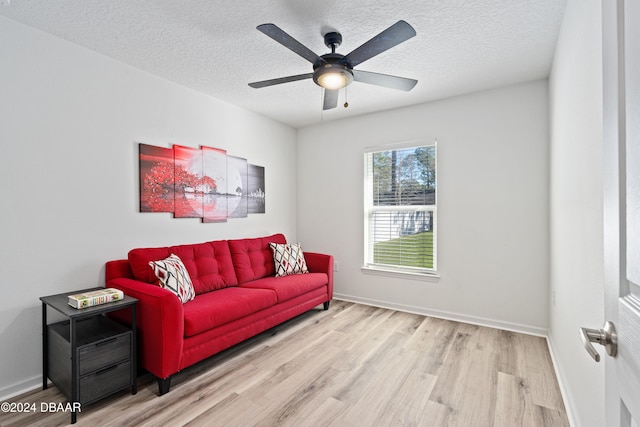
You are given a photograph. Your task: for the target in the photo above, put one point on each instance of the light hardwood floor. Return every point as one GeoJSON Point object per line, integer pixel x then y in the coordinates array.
{"type": "Point", "coordinates": [353, 365]}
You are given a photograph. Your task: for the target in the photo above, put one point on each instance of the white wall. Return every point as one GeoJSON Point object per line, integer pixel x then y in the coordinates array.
{"type": "Point", "coordinates": [492, 205]}
{"type": "Point", "coordinates": [71, 121]}
{"type": "Point", "coordinates": [577, 275]}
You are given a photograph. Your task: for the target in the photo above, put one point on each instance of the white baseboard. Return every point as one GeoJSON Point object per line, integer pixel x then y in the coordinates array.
{"type": "Point", "coordinates": [458, 317]}
{"type": "Point", "coordinates": [13, 390]}
{"type": "Point", "coordinates": [566, 397]}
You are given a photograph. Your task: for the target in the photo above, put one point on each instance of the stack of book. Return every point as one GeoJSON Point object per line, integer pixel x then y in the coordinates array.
{"type": "Point", "coordinates": [89, 299]}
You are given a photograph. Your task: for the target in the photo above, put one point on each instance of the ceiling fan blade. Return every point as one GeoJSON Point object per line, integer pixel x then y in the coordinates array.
{"type": "Point", "coordinates": [289, 42]}
{"type": "Point", "coordinates": [330, 99]}
{"type": "Point", "coordinates": [393, 82]}
{"type": "Point", "coordinates": [392, 36]}
{"type": "Point", "coordinates": [265, 83]}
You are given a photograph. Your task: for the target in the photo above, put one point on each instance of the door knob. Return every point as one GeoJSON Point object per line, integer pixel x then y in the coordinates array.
{"type": "Point", "coordinates": [606, 336]}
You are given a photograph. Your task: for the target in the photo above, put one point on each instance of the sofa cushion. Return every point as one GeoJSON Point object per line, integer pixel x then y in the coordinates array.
{"type": "Point", "coordinates": [139, 261]}
{"type": "Point", "coordinates": [289, 287]}
{"type": "Point", "coordinates": [216, 308]}
{"type": "Point", "coordinates": [288, 259]}
{"type": "Point", "coordinates": [252, 258]}
{"type": "Point", "coordinates": [174, 277]}
{"type": "Point", "coordinates": [209, 265]}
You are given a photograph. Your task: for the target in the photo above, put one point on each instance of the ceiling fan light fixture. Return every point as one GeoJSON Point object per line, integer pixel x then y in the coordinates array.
{"type": "Point", "coordinates": [333, 76]}
{"type": "Point", "coordinates": [333, 71]}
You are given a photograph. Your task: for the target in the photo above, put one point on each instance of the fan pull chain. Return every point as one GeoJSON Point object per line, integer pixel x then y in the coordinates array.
{"type": "Point", "coordinates": [346, 104]}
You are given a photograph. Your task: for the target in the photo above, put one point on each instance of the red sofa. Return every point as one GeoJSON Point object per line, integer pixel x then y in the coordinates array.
{"type": "Point", "coordinates": [237, 297]}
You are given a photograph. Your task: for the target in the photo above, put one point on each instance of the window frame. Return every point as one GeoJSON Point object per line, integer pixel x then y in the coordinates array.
{"type": "Point", "coordinates": [369, 207]}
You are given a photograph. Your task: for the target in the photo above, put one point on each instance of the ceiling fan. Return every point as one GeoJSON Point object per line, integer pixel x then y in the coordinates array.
{"type": "Point", "coordinates": [333, 71]}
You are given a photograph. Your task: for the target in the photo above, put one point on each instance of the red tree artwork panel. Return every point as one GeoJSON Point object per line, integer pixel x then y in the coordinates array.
{"type": "Point", "coordinates": [156, 179]}
{"type": "Point", "coordinates": [188, 185]}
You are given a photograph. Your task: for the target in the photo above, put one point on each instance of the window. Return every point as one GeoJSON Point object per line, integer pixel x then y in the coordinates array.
{"type": "Point", "coordinates": [400, 208]}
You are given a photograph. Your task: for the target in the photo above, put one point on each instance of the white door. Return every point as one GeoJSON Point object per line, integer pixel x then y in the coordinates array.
{"type": "Point", "coordinates": [621, 57]}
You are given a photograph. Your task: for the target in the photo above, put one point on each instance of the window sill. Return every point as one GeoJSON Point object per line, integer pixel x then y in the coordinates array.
{"type": "Point", "coordinates": [428, 277]}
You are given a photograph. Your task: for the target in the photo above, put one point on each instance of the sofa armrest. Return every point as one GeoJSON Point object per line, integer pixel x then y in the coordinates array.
{"type": "Point", "coordinates": [118, 268]}
{"type": "Point", "coordinates": [160, 321]}
{"type": "Point", "coordinates": [321, 263]}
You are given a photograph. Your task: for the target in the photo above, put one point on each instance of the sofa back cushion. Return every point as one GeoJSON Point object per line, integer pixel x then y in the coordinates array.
{"type": "Point", "coordinates": [209, 264]}
{"type": "Point", "coordinates": [252, 258]}
{"type": "Point", "coordinates": [139, 262]}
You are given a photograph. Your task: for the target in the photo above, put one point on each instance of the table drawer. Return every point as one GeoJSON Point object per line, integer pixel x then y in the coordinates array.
{"type": "Point", "coordinates": [105, 382]}
{"type": "Point", "coordinates": [104, 353]}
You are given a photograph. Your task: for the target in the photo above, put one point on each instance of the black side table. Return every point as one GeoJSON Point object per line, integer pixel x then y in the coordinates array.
{"type": "Point", "coordinates": [88, 356]}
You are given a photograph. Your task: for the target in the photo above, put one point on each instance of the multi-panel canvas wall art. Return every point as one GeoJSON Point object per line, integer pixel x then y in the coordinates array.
{"type": "Point", "coordinates": [200, 182]}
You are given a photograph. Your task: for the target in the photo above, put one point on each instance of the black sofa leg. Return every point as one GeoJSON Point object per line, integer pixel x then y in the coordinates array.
{"type": "Point", "coordinates": [326, 305]}
{"type": "Point", "coordinates": [164, 385]}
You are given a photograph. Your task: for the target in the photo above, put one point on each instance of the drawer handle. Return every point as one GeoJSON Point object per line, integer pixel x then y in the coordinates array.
{"type": "Point", "coordinates": [105, 370]}
{"type": "Point", "coordinates": [109, 341]}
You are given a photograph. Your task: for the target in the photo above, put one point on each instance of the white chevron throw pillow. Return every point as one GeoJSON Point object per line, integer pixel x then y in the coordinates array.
{"type": "Point", "coordinates": [288, 259]}
{"type": "Point", "coordinates": [174, 277]}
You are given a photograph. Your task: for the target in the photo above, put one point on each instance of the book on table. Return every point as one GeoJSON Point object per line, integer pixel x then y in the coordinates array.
{"type": "Point", "coordinates": [101, 296]}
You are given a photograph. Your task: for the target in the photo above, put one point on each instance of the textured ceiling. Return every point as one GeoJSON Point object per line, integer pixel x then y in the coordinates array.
{"type": "Point", "coordinates": [213, 46]}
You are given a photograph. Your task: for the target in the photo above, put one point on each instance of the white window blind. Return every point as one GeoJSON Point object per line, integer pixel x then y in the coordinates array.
{"type": "Point", "coordinates": [400, 208]}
